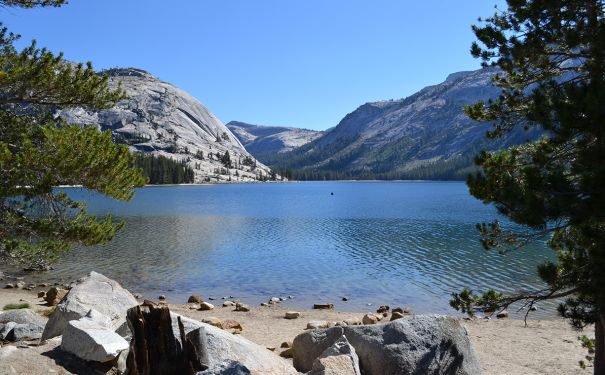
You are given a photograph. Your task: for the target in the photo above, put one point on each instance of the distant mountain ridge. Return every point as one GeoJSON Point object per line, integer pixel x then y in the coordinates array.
{"type": "Point", "coordinates": [160, 119]}
{"type": "Point", "coordinates": [265, 142]}
{"type": "Point", "coordinates": [424, 136]}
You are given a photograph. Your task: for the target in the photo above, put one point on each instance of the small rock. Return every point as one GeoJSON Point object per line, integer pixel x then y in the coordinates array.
{"type": "Point", "coordinates": [211, 298]}
{"type": "Point", "coordinates": [138, 296]}
{"type": "Point", "coordinates": [345, 299]}
{"type": "Point", "coordinates": [31, 286]}
{"type": "Point", "coordinates": [21, 285]}
{"type": "Point", "coordinates": [533, 308]}
{"type": "Point", "coordinates": [286, 344]}
{"type": "Point", "coordinates": [44, 285]}
{"type": "Point", "coordinates": [316, 324]}
{"type": "Point", "coordinates": [41, 294]}
{"type": "Point", "coordinates": [20, 332]}
{"type": "Point", "coordinates": [204, 306]}
{"type": "Point", "coordinates": [232, 325]}
{"type": "Point", "coordinates": [290, 297]}
{"type": "Point", "coordinates": [292, 315]}
{"type": "Point", "coordinates": [370, 319]}
{"type": "Point", "coordinates": [286, 353]}
{"type": "Point", "coordinates": [323, 306]}
{"type": "Point", "coordinates": [264, 304]}
{"type": "Point", "coordinates": [271, 348]}
{"type": "Point", "coordinates": [352, 322]}
{"type": "Point", "coordinates": [9, 286]}
{"type": "Point", "coordinates": [55, 295]}
{"type": "Point", "coordinates": [242, 307]}
{"type": "Point", "coordinates": [195, 299]}
{"type": "Point", "coordinates": [383, 309]}
{"type": "Point", "coordinates": [213, 321]}
{"type": "Point", "coordinates": [396, 315]}
{"type": "Point", "coordinates": [275, 300]}
{"type": "Point", "coordinates": [162, 297]}
{"type": "Point", "coordinates": [228, 303]}
{"type": "Point", "coordinates": [502, 314]}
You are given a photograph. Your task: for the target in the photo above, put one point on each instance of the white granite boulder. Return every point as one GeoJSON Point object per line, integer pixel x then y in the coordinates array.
{"type": "Point", "coordinates": [96, 292]}
{"type": "Point", "coordinates": [223, 346]}
{"type": "Point", "coordinates": [90, 341]}
{"type": "Point", "coordinates": [338, 359]}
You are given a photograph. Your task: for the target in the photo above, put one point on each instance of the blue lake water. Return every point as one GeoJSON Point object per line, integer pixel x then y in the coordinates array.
{"type": "Point", "coordinates": [396, 243]}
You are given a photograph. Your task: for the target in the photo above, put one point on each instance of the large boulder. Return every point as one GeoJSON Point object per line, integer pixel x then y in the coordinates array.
{"type": "Point", "coordinates": [22, 316]}
{"type": "Point", "coordinates": [21, 324]}
{"type": "Point", "coordinates": [223, 346]}
{"type": "Point", "coordinates": [417, 345]}
{"type": "Point", "coordinates": [226, 367]}
{"type": "Point", "coordinates": [96, 292]}
{"type": "Point", "coordinates": [90, 341]}
{"type": "Point", "coordinates": [338, 359]}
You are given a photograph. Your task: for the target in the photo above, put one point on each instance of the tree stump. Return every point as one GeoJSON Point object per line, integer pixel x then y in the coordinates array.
{"type": "Point", "coordinates": [154, 349]}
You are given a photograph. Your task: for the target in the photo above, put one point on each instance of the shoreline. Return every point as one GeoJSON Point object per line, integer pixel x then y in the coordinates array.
{"type": "Point", "coordinates": [504, 346]}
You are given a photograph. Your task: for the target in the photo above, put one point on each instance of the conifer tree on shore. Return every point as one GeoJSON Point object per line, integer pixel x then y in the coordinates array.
{"type": "Point", "coordinates": [552, 58]}
{"type": "Point", "coordinates": [39, 152]}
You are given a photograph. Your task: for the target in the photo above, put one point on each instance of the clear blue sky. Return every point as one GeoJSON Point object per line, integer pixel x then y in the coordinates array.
{"type": "Point", "coordinates": [303, 63]}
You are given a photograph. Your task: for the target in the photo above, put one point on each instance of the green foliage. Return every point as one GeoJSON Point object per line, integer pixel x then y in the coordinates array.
{"type": "Point", "coordinates": [16, 306]}
{"type": "Point", "coordinates": [39, 152]}
{"type": "Point", "coordinates": [589, 345]}
{"type": "Point", "coordinates": [225, 159]}
{"type": "Point", "coordinates": [552, 57]}
{"type": "Point", "coordinates": [162, 170]}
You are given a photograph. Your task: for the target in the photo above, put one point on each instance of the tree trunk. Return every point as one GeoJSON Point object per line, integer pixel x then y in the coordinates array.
{"type": "Point", "coordinates": [154, 349]}
{"type": "Point", "coordinates": [599, 357]}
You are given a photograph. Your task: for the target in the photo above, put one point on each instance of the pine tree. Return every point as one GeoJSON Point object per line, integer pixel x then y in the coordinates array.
{"type": "Point", "coordinates": [551, 56]}
{"type": "Point", "coordinates": [39, 152]}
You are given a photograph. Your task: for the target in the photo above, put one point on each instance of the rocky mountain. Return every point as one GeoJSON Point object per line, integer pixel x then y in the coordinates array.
{"type": "Point", "coordinates": [160, 119]}
{"type": "Point", "coordinates": [265, 142]}
{"type": "Point", "coordinates": [424, 136]}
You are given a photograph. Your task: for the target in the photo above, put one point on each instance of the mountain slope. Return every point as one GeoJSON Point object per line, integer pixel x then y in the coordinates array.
{"type": "Point", "coordinates": [160, 119]}
{"type": "Point", "coordinates": [424, 136]}
{"type": "Point", "coordinates": [264, 142]}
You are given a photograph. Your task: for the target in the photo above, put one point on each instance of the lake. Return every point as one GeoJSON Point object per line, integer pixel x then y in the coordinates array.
{"type": "Point", "coordinates": [395, 243]}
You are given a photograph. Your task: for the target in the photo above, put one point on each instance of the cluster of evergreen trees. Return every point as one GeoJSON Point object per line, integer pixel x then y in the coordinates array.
{"type": "Point", "coordinates": [163, 170]}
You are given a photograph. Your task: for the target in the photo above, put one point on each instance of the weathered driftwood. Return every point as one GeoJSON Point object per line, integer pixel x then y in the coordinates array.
{"type": "Point", "coordinates": [154, 349]}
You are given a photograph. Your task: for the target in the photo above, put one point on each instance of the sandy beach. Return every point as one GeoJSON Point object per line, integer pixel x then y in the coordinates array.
{"type": "Point", "coordinates": [504, 346]}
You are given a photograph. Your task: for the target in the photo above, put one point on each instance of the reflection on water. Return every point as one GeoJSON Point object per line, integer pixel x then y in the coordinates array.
{"type": "Point", "coordinates": [406, 244]}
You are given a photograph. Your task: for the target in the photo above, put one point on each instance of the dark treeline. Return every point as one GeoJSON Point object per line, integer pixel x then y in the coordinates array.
{"type": "Point", "coordinates": [163, 170]}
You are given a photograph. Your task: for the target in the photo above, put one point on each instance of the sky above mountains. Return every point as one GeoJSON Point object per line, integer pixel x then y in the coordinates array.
{"type": "Point", "coordinates": [303, 63]}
